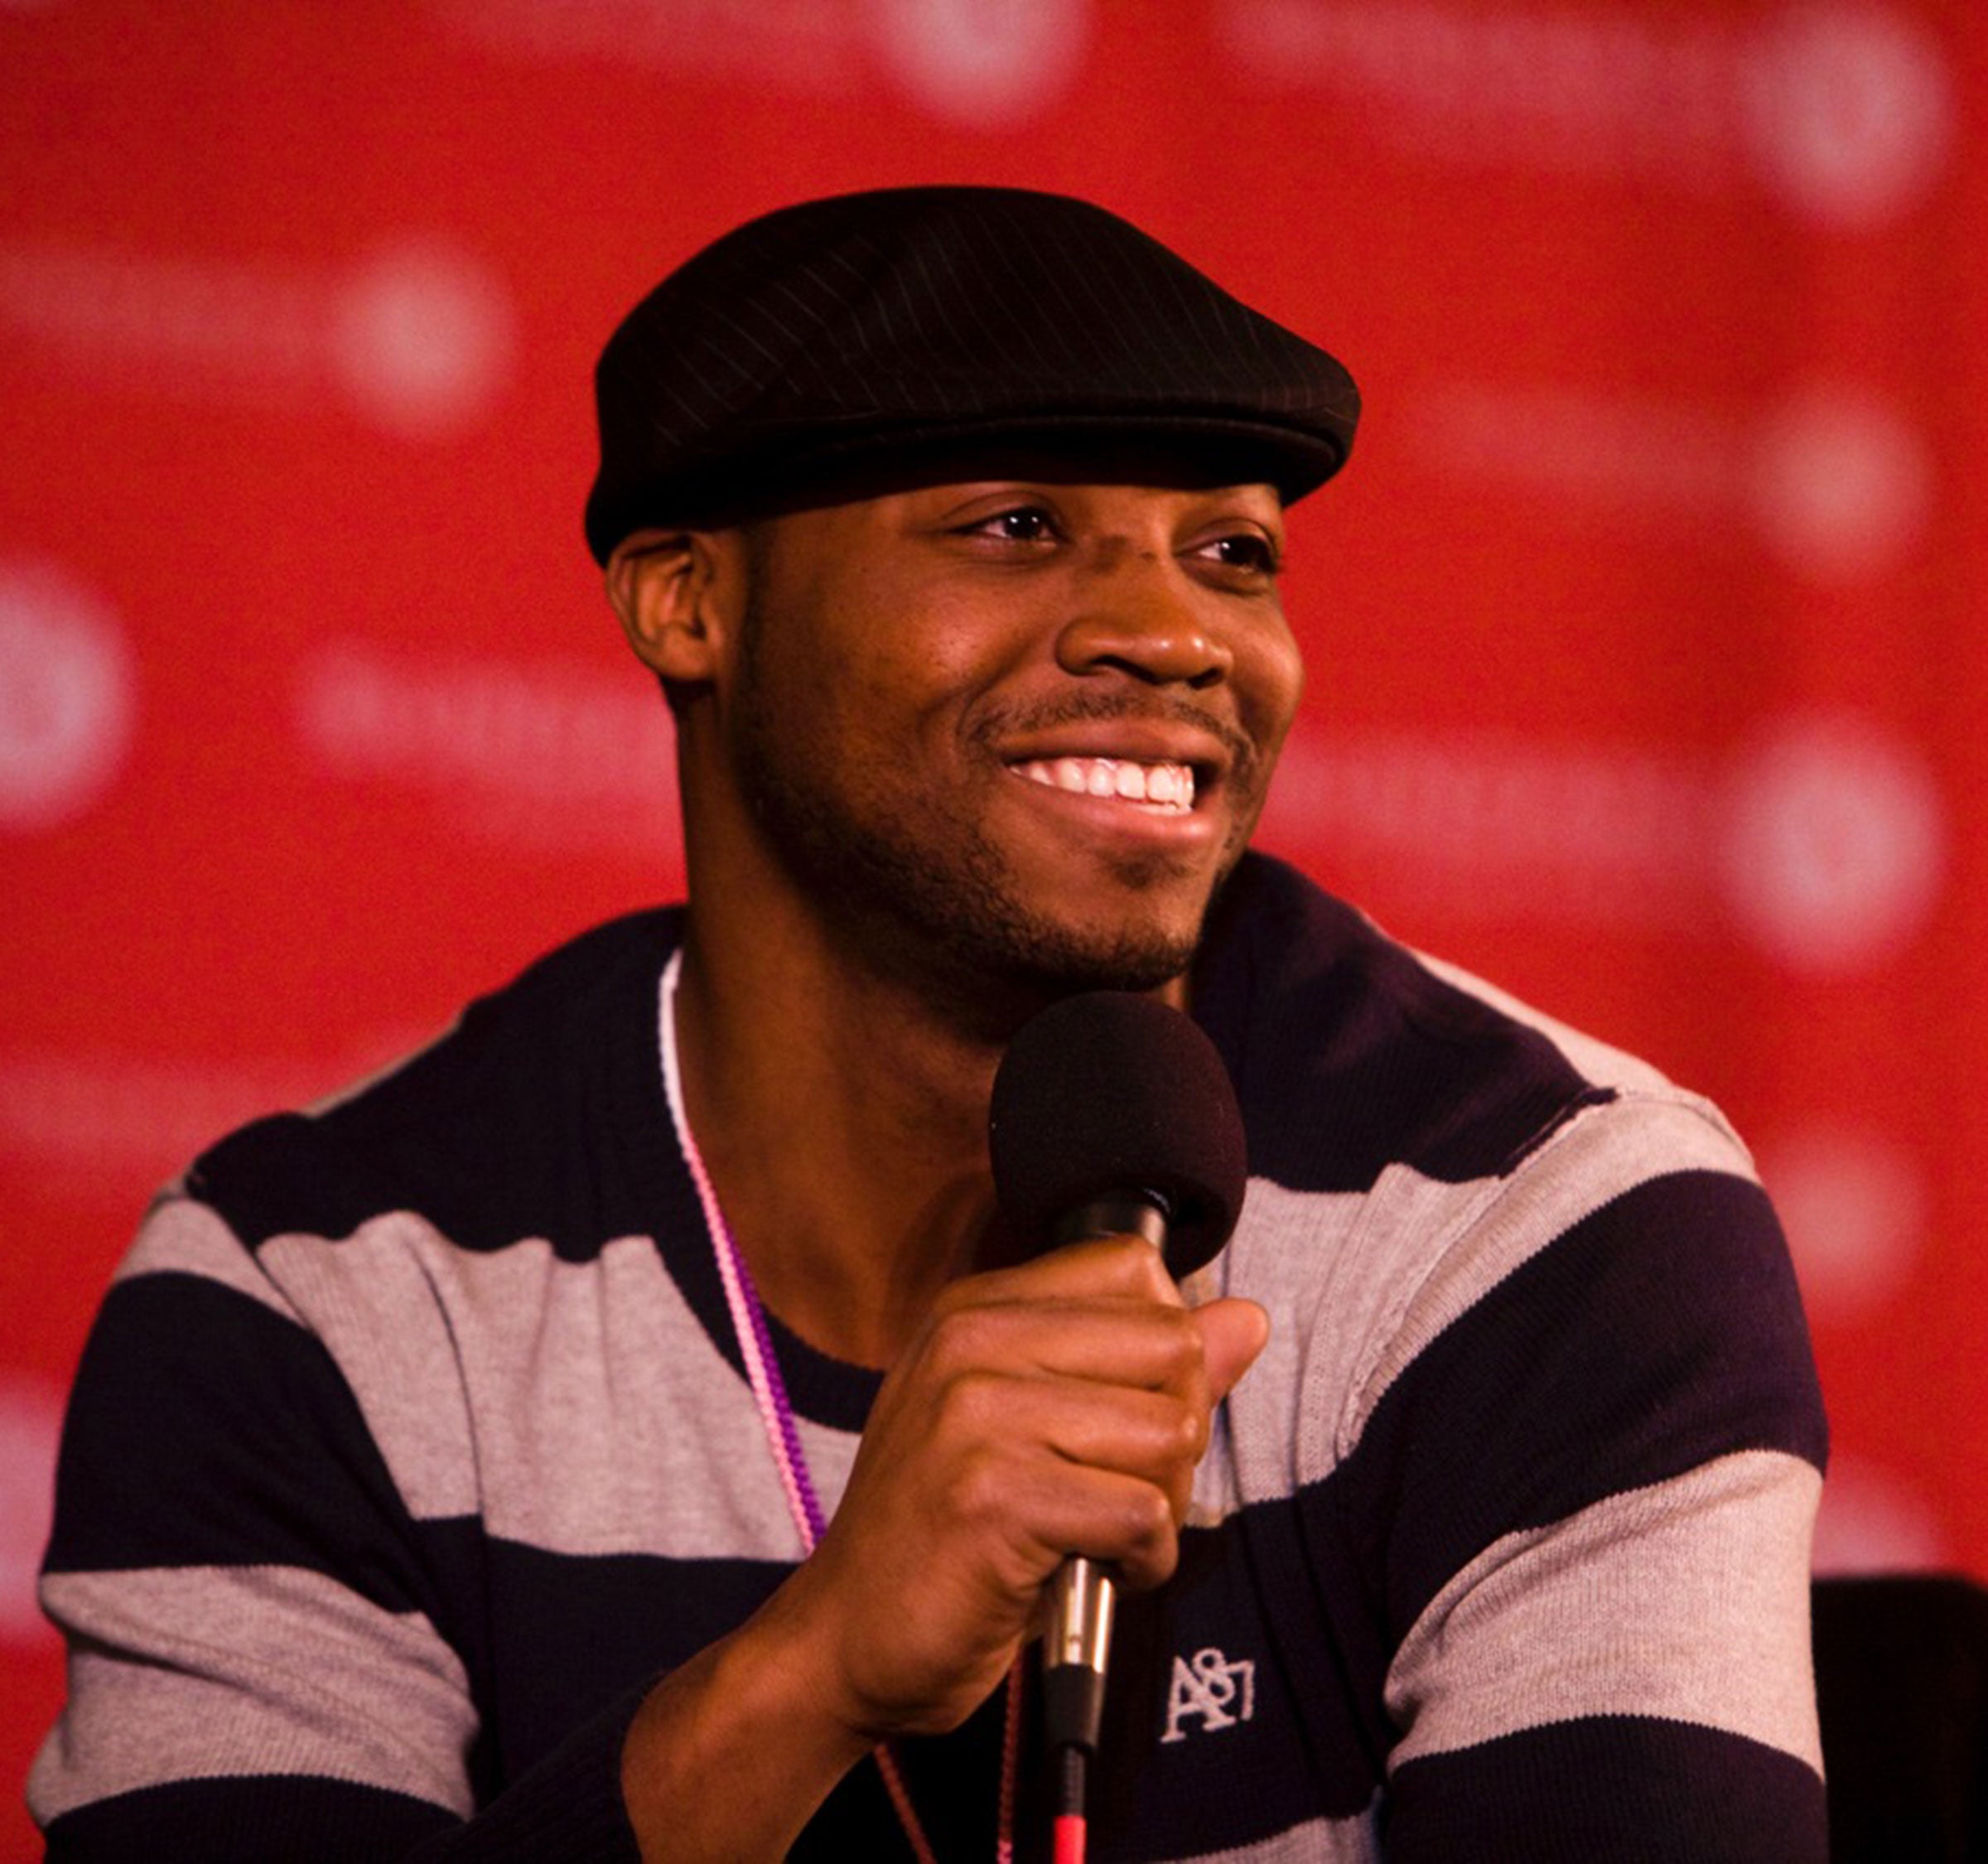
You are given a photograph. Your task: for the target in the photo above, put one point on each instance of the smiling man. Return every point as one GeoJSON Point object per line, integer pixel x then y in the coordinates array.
{"type": "Point", "coordinates": [629, 1430]}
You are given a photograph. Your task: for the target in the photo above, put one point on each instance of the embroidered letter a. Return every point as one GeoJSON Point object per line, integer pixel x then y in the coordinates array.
{"type": "Point", "coordinates": [1222, 1693]}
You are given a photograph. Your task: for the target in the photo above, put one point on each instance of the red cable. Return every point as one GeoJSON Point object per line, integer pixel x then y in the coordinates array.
{"type": "Point", "coordinates": [1067, 1838]}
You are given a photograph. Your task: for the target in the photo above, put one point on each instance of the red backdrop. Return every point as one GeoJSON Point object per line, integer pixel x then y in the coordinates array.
{"type": "Point", "coordinates": [1646, 657]}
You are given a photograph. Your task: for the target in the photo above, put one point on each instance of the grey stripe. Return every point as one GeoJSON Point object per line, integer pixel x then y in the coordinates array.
{"type": "Point", "coordinates": [1687, 1600]}
{"type": "Point", "coordinates": [1593, 1159]}
{"type": "Point", "coordinates": [180, 1236]}
{"type": "Point", "coordinates": [1358, 1288]}
{"type": "Point", "coordinates": [1317, 1841]}
{"type": "Point", "coordinates": [578, 1406]}
{"type": "Point", "coordinates": [178, 1673]}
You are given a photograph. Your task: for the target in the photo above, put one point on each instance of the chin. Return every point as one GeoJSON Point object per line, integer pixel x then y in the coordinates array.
{"type": "Point", "coordinates": [1059, 956]}
{"type": "Point", "coordinates": [1126, 931]}
{"type": "Point", "coordinates": [1127, 967]}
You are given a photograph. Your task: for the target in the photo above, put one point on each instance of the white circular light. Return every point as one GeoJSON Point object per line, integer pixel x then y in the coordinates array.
{"type": "Point", "coordinates": [1855, 1208]}
{"type": "Point", "coordinates": [1851, 110]}
{"type": "Point", "coordinates": [1843, 484]}
{"type": "Point", "coordinates": [424, 340]}
{"type": "Point", "coordinates": [1871, 1522]}
{"type": "Point", "coordinates": [67, 700]}
{"type": "Point", "coordinates": [1834, 844]}
{"type": "Point", "coordinates": [987, 64]}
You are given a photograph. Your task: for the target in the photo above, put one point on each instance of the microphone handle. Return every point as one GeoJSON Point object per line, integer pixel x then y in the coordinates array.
{"type": "Point", "coordinates": [1077, 1640]}
{"type": "Point", "coordinates": [1076, 1648]}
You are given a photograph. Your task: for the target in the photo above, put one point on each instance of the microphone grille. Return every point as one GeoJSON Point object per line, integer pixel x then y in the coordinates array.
{"type": "Point", "coordinates": [1109, 1092]}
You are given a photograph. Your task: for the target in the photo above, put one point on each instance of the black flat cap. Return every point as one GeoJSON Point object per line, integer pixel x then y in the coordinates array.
{"type": "Point", "coordinates": [837, 338]}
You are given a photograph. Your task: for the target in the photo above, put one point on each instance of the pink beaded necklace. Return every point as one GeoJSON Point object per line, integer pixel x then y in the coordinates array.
{"type": "Point", "coordinates": [783, 1436]}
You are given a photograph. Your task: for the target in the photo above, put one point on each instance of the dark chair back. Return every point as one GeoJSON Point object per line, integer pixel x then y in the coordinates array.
{"type": "Point", "coordinates": [1901, 1687]}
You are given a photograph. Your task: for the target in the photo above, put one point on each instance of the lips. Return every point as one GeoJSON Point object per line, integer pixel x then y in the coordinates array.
{"type": "Point", "coordinates": [1164, 786]}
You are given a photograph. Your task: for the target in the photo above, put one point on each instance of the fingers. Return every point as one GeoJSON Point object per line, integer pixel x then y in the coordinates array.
{"type": "Point", "coordinates": [1034, 1433]}
{"type": "Point", "coordinates": [1105, 1311]}
{"type": "Point", "coordinates": [1057, 1407]}
{"type": "Point", "coordinates": [1077, 1359]}
{"type": "Point", "coordinates": [1123, 1427]}
{"type": "Point", "coordinates": [1233, 1332]}
{"type": "Point", "coordinates": [1029, 1509]}
{"type": "Point", "coordinates": [1106, 1265]}
{"type": "Point", "coordinates": [1107, 1340]}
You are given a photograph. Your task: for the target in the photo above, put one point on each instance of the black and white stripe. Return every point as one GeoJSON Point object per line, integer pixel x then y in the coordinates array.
{"type": "Point", "coordinates": [412, 1439]}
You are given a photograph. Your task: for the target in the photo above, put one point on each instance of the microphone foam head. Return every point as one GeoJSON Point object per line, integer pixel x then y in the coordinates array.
{"type": "Point", "coordinates": [1109, 1092]}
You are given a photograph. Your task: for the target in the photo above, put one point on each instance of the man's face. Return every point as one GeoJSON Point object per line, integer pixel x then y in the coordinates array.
{"type": "Point", "coordinates": [1015, 730]}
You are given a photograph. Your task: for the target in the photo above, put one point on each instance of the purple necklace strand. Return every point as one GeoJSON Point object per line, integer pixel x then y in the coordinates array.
{"type": "Point", "coordinates": [783, 1434]}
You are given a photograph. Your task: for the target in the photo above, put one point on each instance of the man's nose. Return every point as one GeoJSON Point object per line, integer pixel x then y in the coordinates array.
{"type": "Point", "coordinates": [1135, 616]}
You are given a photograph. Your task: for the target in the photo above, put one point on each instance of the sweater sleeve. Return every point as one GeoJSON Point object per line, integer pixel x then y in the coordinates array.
{"type": "Point", "coordinates": [1586, 1461]}
{"type": "Point", "coordinates": [266, 1658]}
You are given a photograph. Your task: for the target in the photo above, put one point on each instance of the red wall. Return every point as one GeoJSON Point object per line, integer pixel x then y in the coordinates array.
{"type": "Point", "coordinates": [1644, 629]}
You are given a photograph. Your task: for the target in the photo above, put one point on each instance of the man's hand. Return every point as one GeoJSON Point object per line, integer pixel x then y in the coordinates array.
{"type": "Point", "coordinates": [1054, 1408]}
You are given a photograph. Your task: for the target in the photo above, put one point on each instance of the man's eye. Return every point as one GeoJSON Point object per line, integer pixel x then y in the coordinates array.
{"type": "Point", "coordinates": [1025, 524]}
{"type": "Point", "coordinates": [1245, 551]}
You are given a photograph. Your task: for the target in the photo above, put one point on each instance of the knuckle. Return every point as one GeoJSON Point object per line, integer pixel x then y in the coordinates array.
{"type": "Point", "coordinates": [1147, 1270]}
{"type": "Point", "coordinates": [1151, 1539]}
{"type": "Point", "coordinates": [1127, 1266]}
{"type": "Point", "coordinates": [971, 1406]}
{"type": "Point", "coordinates": [1186, 1355]}
{"type": "Point", "coordinates": [1153, 1518]}
{"type": "Point", "coordinates": [959, 1340]}
{"type": "Point", "coordinates": [979, 1491]}
{"type": "Point", "coordinates": [1188, 1431]}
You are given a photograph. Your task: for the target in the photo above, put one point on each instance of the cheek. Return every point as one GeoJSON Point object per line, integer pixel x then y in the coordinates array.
{"type": "Point", "coordinates": [930, 654]}
{"type": "Point", "coordinates": [1271, 681]}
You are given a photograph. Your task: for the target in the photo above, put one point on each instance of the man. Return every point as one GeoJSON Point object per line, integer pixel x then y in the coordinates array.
{"type": "Point", "coordinates": [441, 1469]}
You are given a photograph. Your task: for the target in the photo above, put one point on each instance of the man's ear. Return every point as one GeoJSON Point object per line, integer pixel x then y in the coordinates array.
{"type": "Point", "coordinates": [672, 593]}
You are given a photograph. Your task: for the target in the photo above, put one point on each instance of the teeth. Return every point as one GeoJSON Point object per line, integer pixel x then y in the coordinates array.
{"type": "Point", "coordinates": [1163, 786]}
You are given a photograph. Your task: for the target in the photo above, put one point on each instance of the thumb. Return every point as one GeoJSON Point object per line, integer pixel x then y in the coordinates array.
{"type": "Point", "coordinates": [1233, 1332]}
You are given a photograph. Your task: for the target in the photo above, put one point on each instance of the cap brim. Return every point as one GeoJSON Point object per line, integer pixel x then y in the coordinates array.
{"type": "Point", "coordinates": [786, 473]}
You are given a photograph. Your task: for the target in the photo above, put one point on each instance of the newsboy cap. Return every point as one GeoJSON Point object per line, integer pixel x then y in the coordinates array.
{"type": "Point", "coordinates": [830, 339]}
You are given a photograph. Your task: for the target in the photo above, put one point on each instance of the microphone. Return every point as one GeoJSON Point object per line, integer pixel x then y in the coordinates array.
{"type": "Point", "coordinates": [1112, 1114]}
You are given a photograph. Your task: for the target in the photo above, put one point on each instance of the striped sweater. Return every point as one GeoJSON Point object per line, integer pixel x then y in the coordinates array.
{"type": "Point", "coordinates": [411, 1443]}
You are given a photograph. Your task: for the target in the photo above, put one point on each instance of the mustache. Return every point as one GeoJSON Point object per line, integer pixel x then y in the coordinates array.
{"type": "Point", "coordinates": [1085, 708]}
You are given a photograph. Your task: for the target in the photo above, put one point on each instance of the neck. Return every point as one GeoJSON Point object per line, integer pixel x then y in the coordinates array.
{"type": "Point", "coordinates": [838, 1087]}
{"type": "Point", "coordinates": [844, 1131]}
